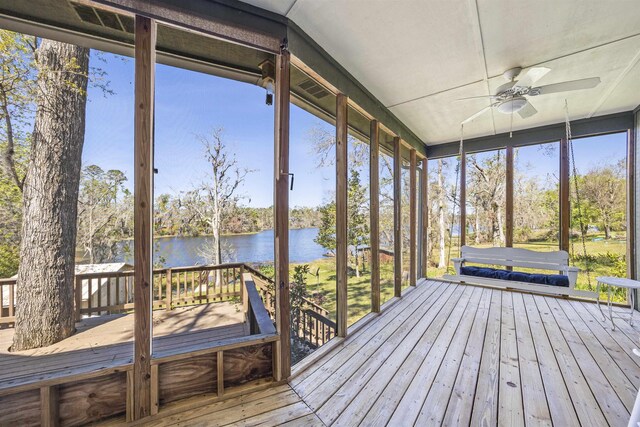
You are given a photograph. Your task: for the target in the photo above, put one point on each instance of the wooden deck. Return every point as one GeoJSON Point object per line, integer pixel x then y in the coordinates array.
{"type": "Point", "coordinates": [452, 354]}
{"type": "Point", "coordinates": [106, 341]}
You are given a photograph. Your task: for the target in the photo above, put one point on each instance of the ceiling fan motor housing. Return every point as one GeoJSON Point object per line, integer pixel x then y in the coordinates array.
{"type": "Point", "coordinates": [512, 105]}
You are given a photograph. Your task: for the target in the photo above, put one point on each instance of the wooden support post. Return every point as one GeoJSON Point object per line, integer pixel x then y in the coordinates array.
{"type": "Point", "coordinates": [281, 212]}
{"type": "Point", "coordinates": [631, 205]}
{"type": "Point", "coordinates": [509, 198]}
{"type": "Point", "coordinates": [129, 397]}
{"type": "Point", "coordinates": [374, 214]}
{"type": "Point", "coordinates": [424, 201]}
{"type": "Point", "coordinates": [49, 415]}
{"type": "Point", "coordinates": [155, 389]}
{"type": "Point", "coordinates": [341, 215]}
{"type": "Point", "coordinates": [220, 375]}
{"type": "Point", "coordinates": [145, 62]}
{"type": "Point", "coordinates": [565, 207]}
{"type": "Point", "coordinates": [397, 217]}
{"type": "Point", "coordinates": [413, 218]}
{"type": "Point", "coordinates": [463, 199]}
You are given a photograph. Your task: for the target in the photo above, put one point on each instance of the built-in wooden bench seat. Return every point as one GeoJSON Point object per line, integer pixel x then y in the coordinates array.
{"type": "Point", "coordinates": [561, 282]}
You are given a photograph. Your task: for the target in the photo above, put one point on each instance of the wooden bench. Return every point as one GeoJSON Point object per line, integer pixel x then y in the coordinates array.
{"type": "Point", "coordinates": [557, 261]}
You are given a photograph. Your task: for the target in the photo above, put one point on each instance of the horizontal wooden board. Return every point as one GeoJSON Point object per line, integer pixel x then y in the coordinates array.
{"type": "Point", "coordinates": [92, 400]}
{"type": "Point", "coordinates": [20, 409]}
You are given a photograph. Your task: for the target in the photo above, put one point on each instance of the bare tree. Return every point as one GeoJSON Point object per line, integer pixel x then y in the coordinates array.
{"type": "Point", "coordinates": [220, 191]}
{"type": "Point", "coordinates": [45, 313]}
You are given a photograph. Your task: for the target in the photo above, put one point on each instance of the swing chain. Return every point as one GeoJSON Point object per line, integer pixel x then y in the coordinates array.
{"type": "Point", "coordinates": [455, 192]}
{"type": "Point", "coordinates": [578, 204]}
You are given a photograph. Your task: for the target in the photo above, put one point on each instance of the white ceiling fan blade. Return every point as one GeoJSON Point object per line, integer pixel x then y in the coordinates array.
{"type": "Point", "coordinates": [476, 97]}
{"type": "Point", "coordinates": [478, 114]}
{"type": "Point", "coordinates": [531, 76]}
{"type": "Point", "coordinates": [566, 86]}
{"type": "Point", "coordinates": [527, 111]}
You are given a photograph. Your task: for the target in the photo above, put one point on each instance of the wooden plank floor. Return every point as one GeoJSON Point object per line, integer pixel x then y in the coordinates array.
{"type": "Point", "coordinates": [456, 355]}
{"type": "Point", "coordinates": [461, 355]}
{"type": "Point", "coordinates": [275, 406]}
{"type": "Point", "coordinates": [106, 341]}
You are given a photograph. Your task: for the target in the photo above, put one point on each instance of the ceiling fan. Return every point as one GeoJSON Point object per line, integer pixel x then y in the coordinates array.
{"type": "Point", "coordinates": [512, 97]}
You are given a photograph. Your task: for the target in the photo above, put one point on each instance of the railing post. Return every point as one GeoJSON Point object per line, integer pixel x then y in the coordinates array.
{"type": "Point", "coordinates": [78, 297]}
{"type": "Point", "coordinates": [12, 300]}
{"type": "Point", "coordinates": [244, 295]}
{"type": "Point", "coordinates": [169, 289]}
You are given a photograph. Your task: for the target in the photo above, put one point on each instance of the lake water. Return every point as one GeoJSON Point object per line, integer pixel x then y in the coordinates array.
{"type": "Point", "coordinates": [185, 251]}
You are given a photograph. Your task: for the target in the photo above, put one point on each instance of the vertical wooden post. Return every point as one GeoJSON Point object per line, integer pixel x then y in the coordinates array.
{"type": "Point", "coordinates": [374, 214]}
{"type": "Point", "coordinates": [281, 221]}
{"type": "Point", "coordinates": [49, 415]}
{"type": "Point", "coordinates": [220, 373]}
{"type": "Point", "coordinates": [463, 199]}
{"type": "Point", "coordinates": [169, 289]}
{"type": "Point", "coordinates": [78, 298]}
{"type": "Point", "coordinates": [413, 218]}
{"type": "Point", "coordinates": [424, 201]}
{"type": "Point", "coordinates": [565, 207]}
{"type": "Point", "coordinates": [397, 217]}
{"type": "Point", "coordinates": [631, 205]}
{"type": "Point", "coordinates": [341, 215]}
{"type": "Point", "coordinates": [145, 43]}
{"type": "Point", "coordinates": [509, 198]}
{"type": "Point", "coordinates": [155, 389]}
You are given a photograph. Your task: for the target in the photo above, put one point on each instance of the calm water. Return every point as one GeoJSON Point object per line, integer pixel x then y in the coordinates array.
{"type": "Point", "coordinates": [185, 251]}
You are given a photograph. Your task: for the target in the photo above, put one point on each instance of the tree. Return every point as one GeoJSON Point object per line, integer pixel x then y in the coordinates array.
{"type": "Point", "coordinates": [486, 184]}
{"type": "Point", "coordinates": [442, 228]}
{"type": "Point", "coordinates": [603, 188]}
{"type": "Point", "coordinates": [101, 220]}
{"type": "Point", "coordinates": [45, 314]}
{"type": "Point", "coordinates": [327, 229]}
{"type": "Point", "coordinates": [357, 219]}
{"type": "Point", "coordinates": [357, 215]}
{"type": "Point", "coordinates": [220, 192]}
{"type": "Point", "coordinates": [17, 91]}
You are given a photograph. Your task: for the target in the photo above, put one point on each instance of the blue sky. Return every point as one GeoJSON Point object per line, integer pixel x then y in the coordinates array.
{"type": "Point", "coordinates": [189, 104]}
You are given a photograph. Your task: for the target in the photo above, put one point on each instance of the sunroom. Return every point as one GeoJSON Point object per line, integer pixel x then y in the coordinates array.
{"type": "Point", "coordinates": [223, 212]}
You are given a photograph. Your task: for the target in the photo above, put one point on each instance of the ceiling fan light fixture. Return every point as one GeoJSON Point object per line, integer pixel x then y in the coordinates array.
{"type": "Point", "coordinates": [512, 105]}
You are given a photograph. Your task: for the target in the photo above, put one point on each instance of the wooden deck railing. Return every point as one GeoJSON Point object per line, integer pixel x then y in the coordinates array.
{"type": "Point", "coordinates": [112, 293]}
{"type": "Point", "coordinates": [313, 324]}
{"type": "Point", "coordinates": [7, 301]}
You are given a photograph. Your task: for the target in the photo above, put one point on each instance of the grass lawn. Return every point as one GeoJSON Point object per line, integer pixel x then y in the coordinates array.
{"type": "Point", "coordinates": [359, 288]}
{"type": "Point", "coordinates": [607, 262]}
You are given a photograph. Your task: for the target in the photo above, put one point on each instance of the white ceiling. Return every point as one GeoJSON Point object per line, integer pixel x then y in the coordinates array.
{"type": "Point", "coordinates": [417, 56]}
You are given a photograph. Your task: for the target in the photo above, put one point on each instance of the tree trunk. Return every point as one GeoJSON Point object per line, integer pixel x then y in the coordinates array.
{"type": "Point", "coordinates": [501, 234]}
{"type": "Point", "coordinates": [45, 311]}
{"type": "Point", "coordinates": [442, 263]}
{"type": "Point", "coordinates": [476, 215]}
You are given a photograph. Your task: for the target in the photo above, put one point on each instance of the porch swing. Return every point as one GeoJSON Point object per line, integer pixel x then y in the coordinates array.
{"type": "Point", "coordinates": [556, 261]}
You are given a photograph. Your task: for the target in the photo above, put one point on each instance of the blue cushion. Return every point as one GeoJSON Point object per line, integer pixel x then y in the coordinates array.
{"type": "Point", "coordinates": [516, 276]}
